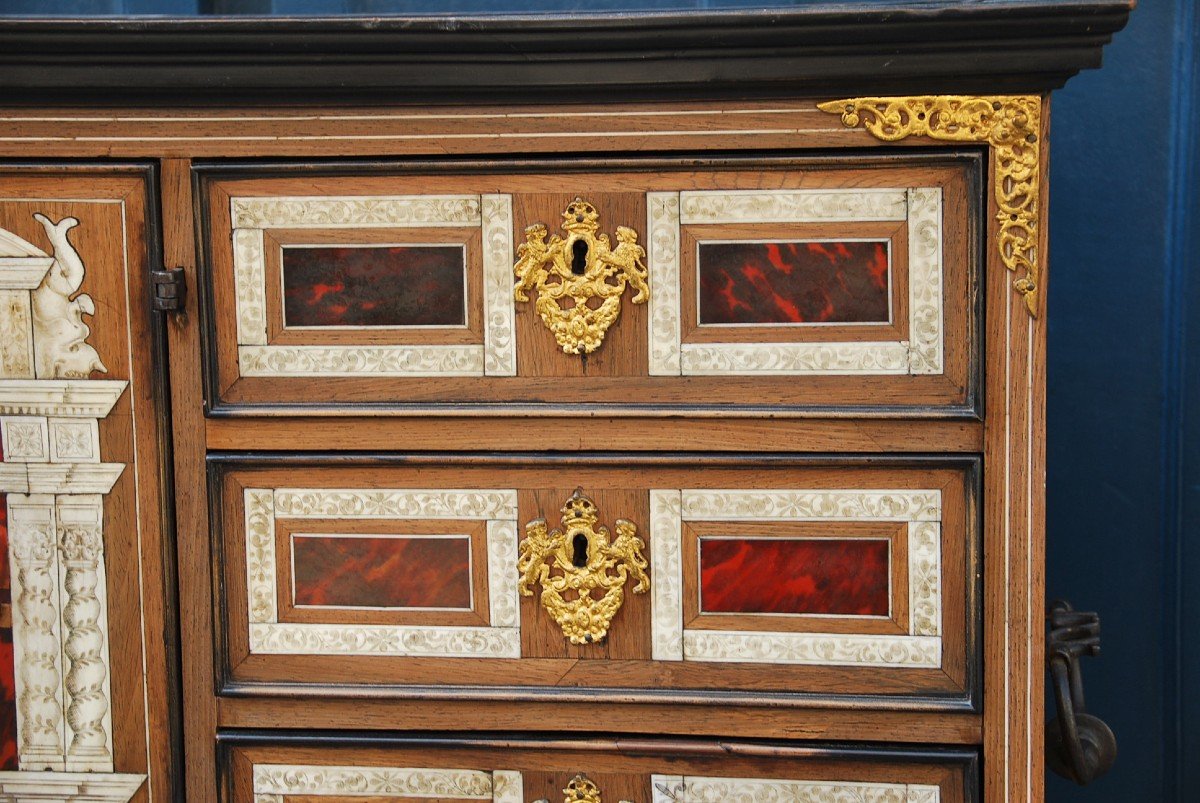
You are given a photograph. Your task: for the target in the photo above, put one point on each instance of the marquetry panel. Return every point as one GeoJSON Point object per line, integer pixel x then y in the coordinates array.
{"type": "Point", "coordinates": [799, 282]}
{"type": "Point", "coordinates": [843, 579]}
{"type": "Point", "coordinates": [363, 555]}
{"type": "Point", "coordinates": [521, 770]}
{"type": "Point", "coordinates": [860, 278]}
{"type": "Point", "coordinates": [904, 627]}
{"type": "Point", "coordinates": [378, 285]}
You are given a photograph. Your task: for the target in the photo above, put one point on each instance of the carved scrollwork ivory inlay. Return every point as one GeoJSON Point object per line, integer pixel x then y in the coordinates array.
{"type": "Point", "coordinates": [694, 789]}
{"type": "Point", "coordinates": [274, 782]}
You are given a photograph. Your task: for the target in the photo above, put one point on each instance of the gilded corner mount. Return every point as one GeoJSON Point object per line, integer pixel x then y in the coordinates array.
{"type": "Point", "coordinates": [580, 280]}
{"type": "Point", "coordinates": [1010, 124]}
{"type": "Point", "coordinates": [573, 562]}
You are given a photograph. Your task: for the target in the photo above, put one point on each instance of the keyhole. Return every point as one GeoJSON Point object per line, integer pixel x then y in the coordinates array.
{"type": "Point", "coordinates": [579, 545]}
{"type": "Point", "coordinates": [579, 253]}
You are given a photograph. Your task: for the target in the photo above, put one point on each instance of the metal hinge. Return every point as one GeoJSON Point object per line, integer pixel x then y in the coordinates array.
{"type": "Point", "coordinates": [167, 289]}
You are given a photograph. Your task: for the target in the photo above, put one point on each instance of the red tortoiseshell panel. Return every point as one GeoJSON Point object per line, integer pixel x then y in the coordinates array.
{"type": "Point", "coordinates": [848, 576]}
{"type": "Point", "coordinates": [409, 285]}
{"type": "Point", "coordinates": [382, 571]}
{"type": "Point", "coordinates": [8, 683]}
{"type": "Point", "coordinates": [8, 702]}
{"type": "Point", "coordinates": [793, 282]}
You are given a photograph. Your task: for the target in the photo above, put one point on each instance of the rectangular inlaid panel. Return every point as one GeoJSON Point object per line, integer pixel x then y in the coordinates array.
{"type": "Point", "coordinates": [374, 286]}
{"type": "Point", "coordinates": [795, 576]}
{"type": "Point", "coordinates": [804, 575]}
{"type": "Point", "coordinates": [428, 572]}
{"type": "Point", "coordinates": [392, 571]}
{"type": "Point", "coordinates": [793, 282]}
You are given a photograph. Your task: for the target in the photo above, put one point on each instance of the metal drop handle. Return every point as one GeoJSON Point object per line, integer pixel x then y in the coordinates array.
{"type": "Point", "coordinates": [1079, 746]}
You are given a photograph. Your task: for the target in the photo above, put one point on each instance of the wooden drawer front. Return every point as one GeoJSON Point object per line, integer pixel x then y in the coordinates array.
{"type": "Point", "coordinates": [842, 579]}
{"type": "Point", "coordinates": [737, 279]}
{"type": "Point", "coordinates": [596, 772]}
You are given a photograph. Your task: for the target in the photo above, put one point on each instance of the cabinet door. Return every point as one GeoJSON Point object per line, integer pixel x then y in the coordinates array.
{"type": "Point", "coordinates": [82, 654]}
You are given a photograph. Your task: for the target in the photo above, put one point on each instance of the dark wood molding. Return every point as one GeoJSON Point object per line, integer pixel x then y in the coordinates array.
{"type": "Point", "coordinates": [836, 48]}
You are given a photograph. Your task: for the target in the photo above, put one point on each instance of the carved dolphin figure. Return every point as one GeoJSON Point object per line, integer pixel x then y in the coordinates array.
{"type": "Point", "coordinates": [60, 347]}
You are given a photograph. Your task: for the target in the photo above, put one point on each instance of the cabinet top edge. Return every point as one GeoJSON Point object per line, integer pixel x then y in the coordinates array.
{"type": "Point", "coordinates": [907, 47]}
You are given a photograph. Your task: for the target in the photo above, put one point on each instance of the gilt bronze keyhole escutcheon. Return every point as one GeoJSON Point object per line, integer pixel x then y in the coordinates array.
{"type": "Point", "coordinates": [572, 562]}
{"type": "Point", "coordinates": [570, 275]}
{"type": "Point", "coordinates": [581, 789]}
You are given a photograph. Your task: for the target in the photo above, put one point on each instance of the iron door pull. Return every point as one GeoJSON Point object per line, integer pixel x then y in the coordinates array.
{"type": "Point", "coordinates": [1079, 746]}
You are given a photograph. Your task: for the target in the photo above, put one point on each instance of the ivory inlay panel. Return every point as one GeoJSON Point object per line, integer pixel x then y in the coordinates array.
{"type": "Point", "coordinates": [921, 352]}
{"type": "Point", "coordinates": [271, 781]}
{"type": "Point", "coordinates": [919, 509]}
{"type": "Point", "coordinates": [696, 789]}
{"type": "Point", "coordinates": [496, 356]}
{"type": "Point", "coordinates": [500, 639]}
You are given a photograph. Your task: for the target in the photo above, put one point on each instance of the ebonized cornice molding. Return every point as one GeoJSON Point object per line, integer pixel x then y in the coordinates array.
{"type": "Point", "coordinates": [842, 48]}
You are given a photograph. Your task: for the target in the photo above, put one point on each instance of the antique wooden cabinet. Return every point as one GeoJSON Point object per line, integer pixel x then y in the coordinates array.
{"type": "Point", "coordinates": [528, 409]}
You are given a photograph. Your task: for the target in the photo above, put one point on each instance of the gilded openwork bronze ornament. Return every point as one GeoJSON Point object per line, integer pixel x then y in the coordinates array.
{"type": "Point", "coordinates": [1010, 124]}
{"type": "Point", "coordinates": [571, 275]}
{"type": "Point", "coordinates": [573, 562]}
{"type": "Point", "coordinates": [581, 789]}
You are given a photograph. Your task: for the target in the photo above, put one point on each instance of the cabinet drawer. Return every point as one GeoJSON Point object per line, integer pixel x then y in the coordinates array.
{"type": "Point", "coordinates": [754, 577]}
{"type": "Point", "coordinates": [257, 770]}
{"type": "Point", "coordinates": [799, 283]}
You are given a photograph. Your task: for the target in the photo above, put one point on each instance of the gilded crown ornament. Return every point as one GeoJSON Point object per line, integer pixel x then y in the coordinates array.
{"type": "Point", "coordinates": [582, 269]}
{"type": "Point", "coordinates": [1010, 124]}
{"type": "Point", "coordinates": [576, 560]}
{"type": "Point", "coordinates": [581, 790]}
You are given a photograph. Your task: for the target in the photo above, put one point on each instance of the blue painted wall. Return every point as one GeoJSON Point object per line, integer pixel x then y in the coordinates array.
{"type": "Point", "coordinates": [1124, 367]}
{"type": "Point", "coordinates": [1124, 392]}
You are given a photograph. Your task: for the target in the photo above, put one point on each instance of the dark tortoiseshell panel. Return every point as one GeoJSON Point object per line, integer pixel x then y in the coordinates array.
{"type": "Point", "coordinates": [410, 285]}
{"type": "Point", "coordinates": [793, 282]}
{"type": "Point", "coordinates": [382, 571]}
{"type": "Point", "coordinates": [848, 576]}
